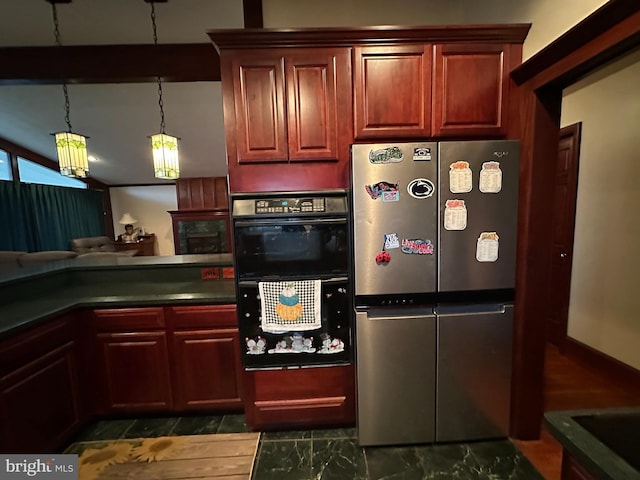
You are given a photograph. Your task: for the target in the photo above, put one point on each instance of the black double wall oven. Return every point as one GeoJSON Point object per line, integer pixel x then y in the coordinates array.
{"type": "Point", "coordinates": [292, 278]}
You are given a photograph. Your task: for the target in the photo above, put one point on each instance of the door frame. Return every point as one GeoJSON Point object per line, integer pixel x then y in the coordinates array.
{"type": "Point", "coordinates": [612, 30]}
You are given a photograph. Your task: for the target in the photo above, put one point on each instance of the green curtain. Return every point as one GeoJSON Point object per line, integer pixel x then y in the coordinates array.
{"type": "Point", "coordinates": [47, 217]}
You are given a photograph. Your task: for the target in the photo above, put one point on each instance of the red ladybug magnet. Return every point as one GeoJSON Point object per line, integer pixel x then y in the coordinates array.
{"type": "Point", "coordinates": [383, 258]}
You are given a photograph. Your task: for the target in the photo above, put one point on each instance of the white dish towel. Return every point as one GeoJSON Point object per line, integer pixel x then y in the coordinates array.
{"type": "Point", "coordinates": [290, 306]}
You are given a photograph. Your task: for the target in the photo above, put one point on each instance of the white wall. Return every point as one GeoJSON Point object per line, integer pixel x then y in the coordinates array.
{"type": "Point", "coordinates": [604, 305]}
{"type": "Point", "coordinates": [549, 18]}
{"type": "Point", "coordinates": [148, 205]}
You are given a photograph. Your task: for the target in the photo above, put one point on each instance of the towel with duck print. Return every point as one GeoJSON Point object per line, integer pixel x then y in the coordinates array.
{"type": "Point", "coordinates": [290, 306]}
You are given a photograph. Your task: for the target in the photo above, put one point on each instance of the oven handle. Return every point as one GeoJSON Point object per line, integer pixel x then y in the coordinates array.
{"type": "Point", "coordinates": [324, 281]}
{"type": "Point", "coordinates": [302, 221]}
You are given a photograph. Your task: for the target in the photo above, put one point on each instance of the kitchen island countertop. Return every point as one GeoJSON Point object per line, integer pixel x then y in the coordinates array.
{"type": "Point", "coordinates": [592, 452]}
{"type": "Point", "coordinates": [36, 294]}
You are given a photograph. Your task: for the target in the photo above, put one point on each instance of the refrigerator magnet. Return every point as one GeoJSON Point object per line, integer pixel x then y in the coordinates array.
{"type": "Point", "coordinates": [382, 190]}
{"type": "Point", "coordinates": [487, 247]}
{"type": "Point", "coordinates": [386, 155]}
{"type": "Point", "coordinates": [417, 246]}
{"type": "Point", "coordinates": [460, 177]}
{"type": "Point", "coordinates": [490, 177]}
{"type": "Point", "coordinates": [421, 154]}
{"type": "Point", "coordinates": [391, 240]}
{"type": "Point", "coordinates": [455, 215]}
{"type": "Point", "coordinates": [421, 188]}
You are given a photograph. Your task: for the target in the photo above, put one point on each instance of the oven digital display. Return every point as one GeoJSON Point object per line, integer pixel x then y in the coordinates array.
{"type": "Point", "coordinates": [290, 205]}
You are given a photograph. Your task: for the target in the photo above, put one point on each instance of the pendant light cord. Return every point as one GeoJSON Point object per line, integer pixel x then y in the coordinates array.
{"type": "Point", "coordinates": [56, 32]}
{"type": "Point", "coordinates": [155, 42]}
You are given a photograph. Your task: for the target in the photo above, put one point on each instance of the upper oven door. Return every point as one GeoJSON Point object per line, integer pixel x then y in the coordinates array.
{"type": "Point", "coordinates": [293, 246]}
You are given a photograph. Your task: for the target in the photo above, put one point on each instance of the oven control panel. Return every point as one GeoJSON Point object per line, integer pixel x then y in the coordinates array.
{"type": "Point", "coordinates": [290, 205]}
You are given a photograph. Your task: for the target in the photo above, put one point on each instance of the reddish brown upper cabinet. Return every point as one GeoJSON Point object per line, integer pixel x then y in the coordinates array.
{"type": "Point", "coordinates": [471, 88]}
{"type": "Point", "coordinates": [287, 117]}
{"type": "Point", "coordinates": [202, 193]}
{"type": "Point", "coordinates": [392, 91]}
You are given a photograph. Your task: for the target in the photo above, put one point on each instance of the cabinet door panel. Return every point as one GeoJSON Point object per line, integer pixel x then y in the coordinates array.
{"type": "Point", "coordinates": [312, 104]}
{"type": "Point", "coordinates": [136, 368]}
{"type": "Point", "coordinates": [392, 91]}
{"type": "Point", "coordinates": [259, 105]}
{"type": "Point", "coordinates": [471, 85]}
{"type": "Point", "coordinates": [38, 404]}
{"type": "Point", "coordinates": [207, 369]}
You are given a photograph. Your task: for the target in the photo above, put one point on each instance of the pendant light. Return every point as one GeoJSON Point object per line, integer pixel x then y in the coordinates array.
{"type": "Point", "coordinates": [165, 147]}
{"type": "Point", "coordinates": [71, 147]}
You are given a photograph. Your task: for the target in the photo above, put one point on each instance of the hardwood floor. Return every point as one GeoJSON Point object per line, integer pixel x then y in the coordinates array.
{"type": "Point", "coordinates": [571, 384]}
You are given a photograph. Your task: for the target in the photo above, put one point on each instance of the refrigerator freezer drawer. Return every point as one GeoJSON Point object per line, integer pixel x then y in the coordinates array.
{"type": "Point", "coordinates": [474, 374]}
{"type": "Point", "coordinates": [395, 377]}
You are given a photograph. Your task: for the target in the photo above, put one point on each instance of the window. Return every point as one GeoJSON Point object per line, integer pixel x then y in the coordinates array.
{"type": "Point", "coordinates": [5, 166]}
{"type": "Point", "coordinates": [31, 172]}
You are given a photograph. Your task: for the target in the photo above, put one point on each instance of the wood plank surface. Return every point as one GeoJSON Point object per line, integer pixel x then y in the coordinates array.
{"type": "Point", "coordinates": [229, 456]}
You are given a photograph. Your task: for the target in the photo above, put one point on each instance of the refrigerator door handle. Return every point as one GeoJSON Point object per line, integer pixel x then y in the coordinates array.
{"type": "Point", "coordinates": [452, 311]}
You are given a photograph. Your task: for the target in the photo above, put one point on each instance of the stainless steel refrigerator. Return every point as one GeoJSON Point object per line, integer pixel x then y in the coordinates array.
{"type": "Point", "coordinates": [434, 248]}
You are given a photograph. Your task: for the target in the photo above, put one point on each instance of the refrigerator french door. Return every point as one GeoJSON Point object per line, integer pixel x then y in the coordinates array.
{"type": "Point", "coordinates": [434, 247]}
{"type": "Point", "coordinates": [478, 208]}
{"type": "Point", "coordinates": [394, 201]}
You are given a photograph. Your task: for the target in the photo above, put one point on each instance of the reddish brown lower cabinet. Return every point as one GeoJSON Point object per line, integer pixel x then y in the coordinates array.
{"type": "Point", "coordinates": [39, 403]}
{"type": "Point", "coordinates": [133, 359]}
{"type": "Point", "coordinates": [306, 397]}
{"type": "Point", "coordinates": [136, 370]}
{"type": "Point", "coordinates": [206, 368]}
{"type": "Point", "coordinates": [180, 358]}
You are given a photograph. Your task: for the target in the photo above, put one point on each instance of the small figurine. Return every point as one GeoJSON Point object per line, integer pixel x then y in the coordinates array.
{"type": "Point", "coordinates": [255, 347]}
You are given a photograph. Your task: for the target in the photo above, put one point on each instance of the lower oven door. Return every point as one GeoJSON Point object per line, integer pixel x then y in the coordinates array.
{"type": "Point", "coordinates": [330, 344]}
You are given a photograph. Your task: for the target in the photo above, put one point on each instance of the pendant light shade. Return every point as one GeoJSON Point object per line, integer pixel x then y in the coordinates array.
{"type": "Point", "coordinates": [164, 147]}
{"type": "Point", "coordinates": [165, 156]}
{"type": "Point", "coordinates": [72, 154]}
{"type": "Point", "coordinates": [71, 147]}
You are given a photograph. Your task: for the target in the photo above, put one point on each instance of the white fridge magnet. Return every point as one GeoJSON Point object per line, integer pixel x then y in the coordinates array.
{"type": "Point", "coordinates": [455, 215]}
{"type": "Point", "coordinates": [490, 177]}
{"type": "Point", "coordinates": [460, 177]}
{"type": "Point", "coordinates": [422, 154]}
{"type": "Point", "coordinates": [391, 240]}
{"type": "Point", "coordinates": [487, 247]}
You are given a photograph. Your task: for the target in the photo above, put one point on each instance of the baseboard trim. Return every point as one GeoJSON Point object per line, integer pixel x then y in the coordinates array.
{"type": "Point", "coordinates": [601, 361]}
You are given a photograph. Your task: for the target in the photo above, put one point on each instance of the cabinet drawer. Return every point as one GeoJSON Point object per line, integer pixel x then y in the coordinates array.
{"type": "Point", "coordinates": [202, 316]}
{"type": "Point", "coordinates": [129, 319]}
{"type": "Point", "coordinates": [302, 412]}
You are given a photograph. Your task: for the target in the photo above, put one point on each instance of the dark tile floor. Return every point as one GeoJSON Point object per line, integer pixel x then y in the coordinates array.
{"type": "Point", "coordinates": [334, 453]}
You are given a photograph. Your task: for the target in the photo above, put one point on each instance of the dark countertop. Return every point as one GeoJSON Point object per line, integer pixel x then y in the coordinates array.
{"type": "Point", "coordinates": [592, 452]}
{"type": "Point", "coordinates": [116, 262]}
{"type": "Point", "coordinates": [51, 290]}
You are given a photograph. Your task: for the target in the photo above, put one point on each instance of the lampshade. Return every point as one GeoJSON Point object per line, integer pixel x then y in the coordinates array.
{"type": "Point", "coordinates": [165, 156]}
{"type": "Point", "coordinates": [127, 219]}
{"type": "Point", "coordinates": [72, 154]}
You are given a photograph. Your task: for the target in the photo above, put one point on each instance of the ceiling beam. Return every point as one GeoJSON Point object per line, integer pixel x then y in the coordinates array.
{"type": "Point", "coordinates": [109, 64]}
